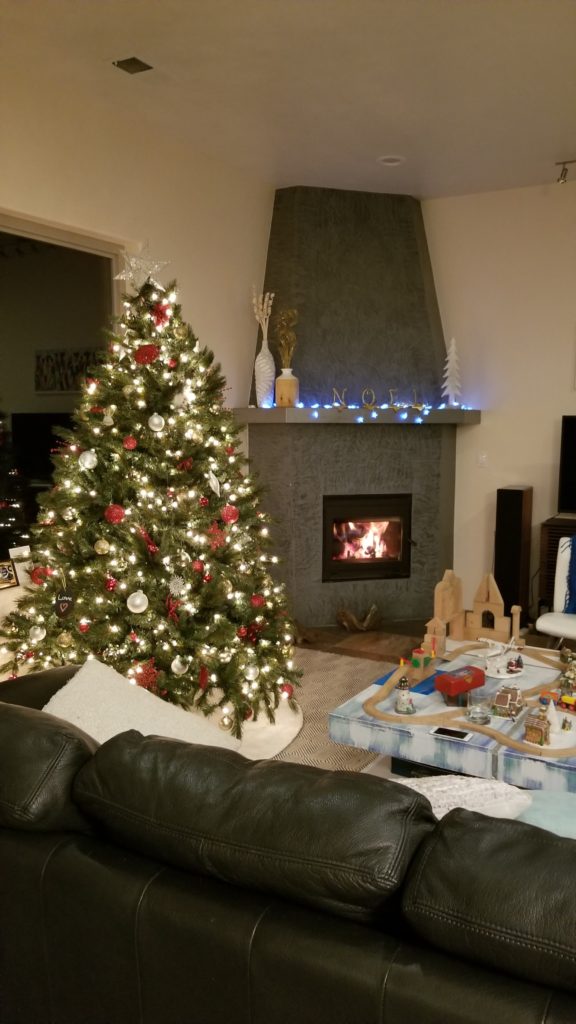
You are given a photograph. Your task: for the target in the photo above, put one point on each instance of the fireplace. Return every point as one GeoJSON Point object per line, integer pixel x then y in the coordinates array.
{"type": "Point", "coordinates": [366, 536]}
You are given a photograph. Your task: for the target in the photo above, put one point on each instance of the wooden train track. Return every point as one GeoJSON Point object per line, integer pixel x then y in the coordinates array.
{"type": "Point", "coordinates": [450, 716]}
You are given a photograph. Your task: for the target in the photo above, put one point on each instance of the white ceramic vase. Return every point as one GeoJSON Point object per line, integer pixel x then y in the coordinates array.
{"type": "Point", "coordinates": [264, 376]}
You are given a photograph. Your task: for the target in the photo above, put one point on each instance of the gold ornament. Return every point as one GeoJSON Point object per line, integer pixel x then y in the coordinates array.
{"type": "Point", "coordinates": [101, 546]}
{"type": "Point", "coordinates": [65, 639]}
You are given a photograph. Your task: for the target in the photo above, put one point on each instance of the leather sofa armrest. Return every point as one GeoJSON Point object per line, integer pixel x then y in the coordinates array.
{"type": "Point", "coordinates": [36, 689]}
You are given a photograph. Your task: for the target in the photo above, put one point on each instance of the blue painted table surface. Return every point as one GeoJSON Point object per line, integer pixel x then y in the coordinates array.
{"type": "Point", "coordinates": [480, 755]}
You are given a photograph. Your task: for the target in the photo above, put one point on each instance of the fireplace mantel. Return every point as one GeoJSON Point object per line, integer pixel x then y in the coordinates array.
{"type": "Point", "coordinates": [344, 415]}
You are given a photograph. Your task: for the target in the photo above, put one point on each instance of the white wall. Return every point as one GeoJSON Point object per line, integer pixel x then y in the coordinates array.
{"type": "Point", "coordinates": [92, 170]}
{"type": "Point", "coordinates": [505, 270]}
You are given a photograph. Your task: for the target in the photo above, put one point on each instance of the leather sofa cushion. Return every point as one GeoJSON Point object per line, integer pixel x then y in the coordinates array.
{"type": "Point", "coordinates": [497, 892]}
{"type": "Point", "coordinates": [39, 757]}
{"type": "Point", "coordinates": [335, 840]}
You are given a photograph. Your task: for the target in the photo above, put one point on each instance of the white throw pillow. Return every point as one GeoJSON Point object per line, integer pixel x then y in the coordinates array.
{"type": "Point", "coordinates": [103, 703]}
{"type": "Point", "coordinates": [445, 792]}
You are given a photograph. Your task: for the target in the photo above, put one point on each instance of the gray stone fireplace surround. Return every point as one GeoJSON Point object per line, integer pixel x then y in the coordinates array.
{"type": "Point", "coordinates": [356, 267]}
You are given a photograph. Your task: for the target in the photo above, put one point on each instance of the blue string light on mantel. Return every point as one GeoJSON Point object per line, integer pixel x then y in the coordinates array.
{"type": "Point", "coordinates": [382, 415]}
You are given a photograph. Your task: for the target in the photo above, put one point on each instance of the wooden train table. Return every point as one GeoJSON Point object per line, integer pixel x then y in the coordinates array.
{"type": "Point", "coordinates": [443, 737]}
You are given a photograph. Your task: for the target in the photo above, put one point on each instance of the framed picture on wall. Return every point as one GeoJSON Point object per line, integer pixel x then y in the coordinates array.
{"type": "Point", "coordinates": [57, 371]}
{"type": "Point", "coordinates": [8, 575]}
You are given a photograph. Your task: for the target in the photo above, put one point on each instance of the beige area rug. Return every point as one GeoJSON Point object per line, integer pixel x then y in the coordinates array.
{"type": "Point", "coordinates": [328, 681]}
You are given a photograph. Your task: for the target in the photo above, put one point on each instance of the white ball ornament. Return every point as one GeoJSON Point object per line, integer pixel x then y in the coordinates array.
{"type": "Point", "coordinates": [179, 399]}
{"type": "Point", "coordinates": [36, 634]}
{"type": "Point", "coordinates": [137, 602]}
{"type": "Point", "coordinates": [252, 672]}
{"type": "Point", "coordinates": [156, 422]}
{"type": "Point", "coordinates": [88, 459]}
{"type": "Point", "coordinates": [179, 666]}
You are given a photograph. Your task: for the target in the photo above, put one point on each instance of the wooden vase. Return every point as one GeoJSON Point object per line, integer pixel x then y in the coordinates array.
{"type": "Point", "coordinates": [287, 389]}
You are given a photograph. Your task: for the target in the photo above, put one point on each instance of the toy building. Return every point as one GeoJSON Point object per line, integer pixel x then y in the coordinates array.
{"type": "Point", "coordinates": [454, 686]}
{"type": "Point", "coordinates": [508, 702]}
{"type": "Point", "coordinates": [486, 620]}
{"type": "Point", "coordinates": [537, 728]}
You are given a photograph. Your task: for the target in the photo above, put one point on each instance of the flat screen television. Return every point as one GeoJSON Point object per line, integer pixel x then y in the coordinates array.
{"type": "Point", "coordinates": [567, 476]}
{"type": "Point", "coordinates": [33, 439]}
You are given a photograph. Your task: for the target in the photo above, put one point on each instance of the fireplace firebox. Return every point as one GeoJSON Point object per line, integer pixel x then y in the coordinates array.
{"type": "Point", "coordinates": [366, 536]}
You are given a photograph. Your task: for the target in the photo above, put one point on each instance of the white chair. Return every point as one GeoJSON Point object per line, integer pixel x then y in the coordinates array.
{"type": "Point", "coordinates": [559, 622]}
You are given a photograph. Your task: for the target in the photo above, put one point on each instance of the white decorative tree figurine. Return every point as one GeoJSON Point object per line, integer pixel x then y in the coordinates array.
{"type": "Point", "coordinates": [264, 366]}
{"type": "Point", "coordinates": [451, 389]}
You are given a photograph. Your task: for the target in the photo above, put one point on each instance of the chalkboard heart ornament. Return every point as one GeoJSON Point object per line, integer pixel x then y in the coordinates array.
{"type": "Point", "coordinates": [63, 604]}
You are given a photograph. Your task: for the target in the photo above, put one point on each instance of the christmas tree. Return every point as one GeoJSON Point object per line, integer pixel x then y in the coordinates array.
{"type": "Point", "coordinates": [150, 551]}
{"type": "Point", "coordinates": [451, 386]}
{"type": "Point", "coordinates": [14, 498]}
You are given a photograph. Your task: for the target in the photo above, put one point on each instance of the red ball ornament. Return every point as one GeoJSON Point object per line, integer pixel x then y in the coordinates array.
{"type": "Point", "coordinates": [247, 714]}
{"type": "Point", "coordinates": [172, 363]}
{"type": "Point", "coordinates": [287, 688]}
{"type": "Point", "coordinates": [229, 450]}
{"type": "Point", "coordinates": [185, 464]}
{"type": "Point", "coordinates": [203, 677]}
{"type": "Point", "coordinates": [129, 443]}
{"type": "Point", "coordinates": [114, 513]}
{"type": "Point", "coordinates": [83, 627]}
{"type": "Point", "coordinates": [198, 566]}
{"type": "Point", "coordinates": [40, 574]}
{"type": "Point", "coordinates": [146, 354]}
{"type": "Point", "coordinates": [257, 600]}
{"type": "Point", "coordinates": [207, 578]}
{"type": "Point", "coordinates": [96, 408]}
{"type": "Point", "coordinates": [133, 636]}
{"type": "Point", "coordinates": [229, 514]}
{"type": "Point", "coordinates": [110, 583]}
{"type": "Point", "coordinates": [29, 655]}
{"type": "Point", "coordinates": [203, 502]}
{"type": "Point", "coordinates": [242, 631]}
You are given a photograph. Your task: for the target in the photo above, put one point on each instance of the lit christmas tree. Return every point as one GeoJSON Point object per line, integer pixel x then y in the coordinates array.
{"type": "Point", "coordinates": [451, 386]}
{"type": "Point", "coordinates": [150, 551]}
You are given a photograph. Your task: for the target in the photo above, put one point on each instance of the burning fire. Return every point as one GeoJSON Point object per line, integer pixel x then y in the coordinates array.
{"type": "Point", "coordinates": [364, 540]}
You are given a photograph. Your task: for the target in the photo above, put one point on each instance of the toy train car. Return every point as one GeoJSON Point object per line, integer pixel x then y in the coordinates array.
{"type": "Point", "coordinates": [564, 702]}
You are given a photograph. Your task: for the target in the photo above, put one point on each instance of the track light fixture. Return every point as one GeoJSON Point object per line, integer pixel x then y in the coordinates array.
{"type": "Point", "coordinates": [564, 164]}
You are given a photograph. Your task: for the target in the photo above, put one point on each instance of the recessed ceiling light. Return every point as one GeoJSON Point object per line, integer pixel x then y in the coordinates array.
{"type": "Point", "coordinates": [391, 161]}
{"type": "Point", "coordinates": [132, 65]}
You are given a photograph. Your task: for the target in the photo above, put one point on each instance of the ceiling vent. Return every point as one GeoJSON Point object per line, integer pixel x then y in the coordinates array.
{"type": "Point", "coordinates": [132, 65]}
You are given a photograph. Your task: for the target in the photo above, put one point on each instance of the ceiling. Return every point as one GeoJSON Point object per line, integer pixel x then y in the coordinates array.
{"type": "Point", "coordinates": [475, 95]}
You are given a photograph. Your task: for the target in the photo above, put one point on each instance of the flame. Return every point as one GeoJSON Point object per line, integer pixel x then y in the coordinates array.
{"type": "Point", "coordinates": [363, 540]}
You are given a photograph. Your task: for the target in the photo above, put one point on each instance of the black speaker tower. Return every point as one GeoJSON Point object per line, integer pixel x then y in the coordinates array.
{"type": "Point", "coordinates": [512, 547]}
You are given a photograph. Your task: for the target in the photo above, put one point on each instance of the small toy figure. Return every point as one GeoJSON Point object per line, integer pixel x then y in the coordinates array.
{"type": "Point", "coordinates": [404, 705]}
{"type": "Point", "coordinates": [566, 724]}
{"type": "Point", "coordinates": [515, 665]}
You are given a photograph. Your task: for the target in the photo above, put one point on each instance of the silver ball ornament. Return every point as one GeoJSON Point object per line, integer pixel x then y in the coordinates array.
{"type": "Point", "coordinates": [137, 602]}
{"type": "Point", "coordinates": [36, 634]}
{"type": "Point", "coordinates": [252, 672]}
{"type": "Point", "coordinates": [179, 666]}
{"type": "Point", "coordinates": [88, 459]}
{"type": "Point", "coordinates": [156, 422]}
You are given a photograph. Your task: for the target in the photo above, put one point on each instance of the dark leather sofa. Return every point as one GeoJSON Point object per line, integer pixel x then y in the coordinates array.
{"type": "Point", "coordinates": [150, 881]}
